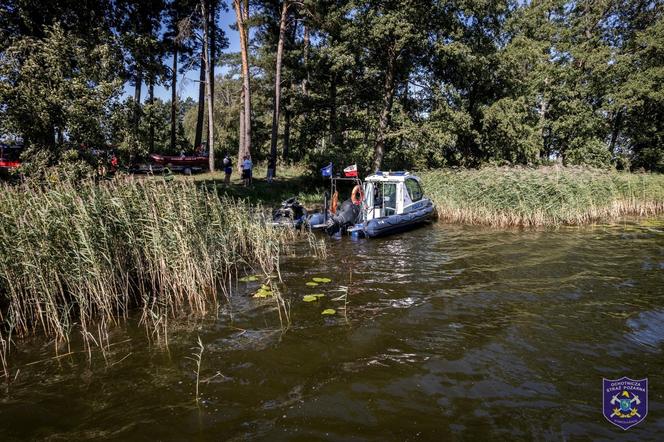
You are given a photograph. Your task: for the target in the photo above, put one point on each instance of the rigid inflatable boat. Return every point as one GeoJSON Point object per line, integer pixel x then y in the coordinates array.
{"type": "Point", "coordinates": [386, 203]}
{"type": "Point", "coordinates": [394, 202]}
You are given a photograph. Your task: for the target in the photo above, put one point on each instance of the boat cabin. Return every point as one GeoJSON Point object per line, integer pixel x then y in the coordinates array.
{"type": "Point", "coordinates": [392, 193]}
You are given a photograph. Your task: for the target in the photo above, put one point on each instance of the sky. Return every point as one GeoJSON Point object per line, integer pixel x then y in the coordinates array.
{"type": "Point", "coordinates": [188, 82]}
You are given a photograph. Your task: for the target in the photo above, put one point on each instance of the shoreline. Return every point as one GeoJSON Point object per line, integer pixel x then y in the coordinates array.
{"type": "Point", "coordinates": [491, 196]}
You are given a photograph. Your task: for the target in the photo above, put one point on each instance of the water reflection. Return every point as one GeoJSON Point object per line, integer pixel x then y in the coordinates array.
{"type": "Point", "coordinates": [648, 329]}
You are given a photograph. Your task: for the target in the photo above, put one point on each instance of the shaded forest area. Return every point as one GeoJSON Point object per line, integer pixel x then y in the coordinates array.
{"type": "Point", "coordinates": [391, 84]}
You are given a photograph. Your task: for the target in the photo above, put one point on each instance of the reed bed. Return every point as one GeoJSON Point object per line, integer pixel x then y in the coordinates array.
{"type": "Point", "coordinates": [550, 196]}
{"type": "Point", "coordinates": [81, 256]}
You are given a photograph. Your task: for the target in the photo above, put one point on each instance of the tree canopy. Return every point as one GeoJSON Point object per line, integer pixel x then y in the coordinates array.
{"type": "Point", "coordinates": [387, 84]}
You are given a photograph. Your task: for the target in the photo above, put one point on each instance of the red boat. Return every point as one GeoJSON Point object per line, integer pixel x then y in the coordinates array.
{"type": "Point", "coordinates": [9, 157]}
{"type": "Point", "coordinates": [8, 164]}
{"type": "Point", "coordinates": [180, 161]}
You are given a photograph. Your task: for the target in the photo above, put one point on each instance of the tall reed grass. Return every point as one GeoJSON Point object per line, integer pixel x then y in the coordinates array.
{"type": "Point", "coordinates": [549, 196]}
{"type": "Point", "coordinates": [77, 254]}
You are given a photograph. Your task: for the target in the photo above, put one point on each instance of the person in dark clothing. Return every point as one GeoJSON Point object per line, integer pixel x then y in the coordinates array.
{"type": "Point", "coordinates": [228, 169]}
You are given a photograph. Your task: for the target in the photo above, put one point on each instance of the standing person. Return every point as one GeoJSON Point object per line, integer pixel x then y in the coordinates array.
{"type": "Point", "coordinates": [114, 163]}
{"type": "Point", "coordinates": [247, 165]}
{"type": "Point", "coordinates": [228, 169]}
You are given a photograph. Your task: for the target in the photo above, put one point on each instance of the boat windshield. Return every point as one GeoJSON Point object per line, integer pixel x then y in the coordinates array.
{"type": "Point", "coordinates": [414, 189]}
{"type": "Point", "coordinates": [389, 198]}
{"type": "Point", "coordinates": [384, 199]}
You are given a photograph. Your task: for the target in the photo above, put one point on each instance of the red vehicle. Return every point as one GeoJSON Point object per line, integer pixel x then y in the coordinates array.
{"type": "Point", "coordinates": [10, 157]}
{"type": "Point", "coordinates": [180, 162]}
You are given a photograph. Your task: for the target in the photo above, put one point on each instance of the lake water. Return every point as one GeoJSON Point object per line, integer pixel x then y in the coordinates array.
{"type": "Point", "coordinates": [449, 333]}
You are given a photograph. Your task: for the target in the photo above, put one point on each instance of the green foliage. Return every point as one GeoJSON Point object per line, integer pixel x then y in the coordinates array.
{"type": "Point", "coordinates": [58, 88]}
{"type": "Point", "coordinates": [464, 83]}
{"type": "Point", "coordinates": [510, 131]}
{"type": "Point", "coordinates": [476, 83]}
{"type": "Point", "coordinates": [590, 152]}
{"type": "Point", "coordinates": [226, 117]}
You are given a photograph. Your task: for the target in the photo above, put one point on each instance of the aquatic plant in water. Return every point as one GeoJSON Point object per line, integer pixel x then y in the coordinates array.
{"type": "Point", "coordinates": [197, 357]}
{"type": "Point", "coordinates": [321, 280]}
{"type": "Point", "coordinates": [263, 292]}
{"type": "Point", "coordinates": [249, 278]}
{"type": "Point", "coordinates": [74, 255]}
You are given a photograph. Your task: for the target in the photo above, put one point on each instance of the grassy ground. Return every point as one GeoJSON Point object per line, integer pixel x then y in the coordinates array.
{"type": "Point", "coordinates": [290, 181]}
{"type": "Point", "coordinates": [542, 197]}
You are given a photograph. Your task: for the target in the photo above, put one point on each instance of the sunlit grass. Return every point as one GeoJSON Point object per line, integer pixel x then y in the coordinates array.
{"type": "Point", "coordinates": [541, 197]}
{"type": "Point", "coordinates": [291, 180]}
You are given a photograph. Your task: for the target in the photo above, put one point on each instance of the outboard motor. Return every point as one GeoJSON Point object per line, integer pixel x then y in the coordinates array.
{"type": "Point", "coordinates": [345, 217]}
{"type": "Point", "coordinates": [291, 213]}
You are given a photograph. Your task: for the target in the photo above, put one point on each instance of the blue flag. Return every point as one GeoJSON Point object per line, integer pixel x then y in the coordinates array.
{"type": "Point", "coordinates": [327, 170]}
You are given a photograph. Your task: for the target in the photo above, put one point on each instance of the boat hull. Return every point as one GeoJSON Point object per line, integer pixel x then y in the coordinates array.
{"type": "Point", "coordinates": [318, 220]}
{"type": "Point", "coordinates": [399, 223]}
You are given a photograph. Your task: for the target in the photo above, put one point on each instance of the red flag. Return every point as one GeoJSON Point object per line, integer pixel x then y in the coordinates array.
{"type": "Point", "coordinates": [351, 170]}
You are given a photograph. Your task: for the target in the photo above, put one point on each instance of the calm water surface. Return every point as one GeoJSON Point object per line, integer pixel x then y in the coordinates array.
{"type": "Point", "coordinates": [450, 333]}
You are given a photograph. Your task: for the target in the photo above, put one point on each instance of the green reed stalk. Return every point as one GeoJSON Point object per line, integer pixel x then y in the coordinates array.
{"type": "Point", "coordinates": [550, 196]}
{"type": "Point", "coordinates": [76, 255]}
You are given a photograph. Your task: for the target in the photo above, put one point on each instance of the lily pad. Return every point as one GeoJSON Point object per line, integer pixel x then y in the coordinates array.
{"type": "Point", "coordinates": [262, 293]}
{"type": "Point", "coordinates": [312, 298]}
{"type": "Point", "coordinates": [312, 284]}
{"type": "Point", "coordinates": [321, 280]}
{"type": "Point", "coordinates": [249, 278]}
{"type": "Point", "coordinates": [328, 311]}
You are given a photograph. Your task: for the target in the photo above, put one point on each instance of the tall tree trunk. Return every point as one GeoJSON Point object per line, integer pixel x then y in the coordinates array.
{"type": "Point", "coordinates": [137, 99]}
{"type": "Point", "coordinates": [213, 50]}
{"type": "Point", "coordinates": [240, 154]}
{"type": "Point", "coordinates": [208, 83]}
{"type": "Point", "coordinates": [242, 15]}
{"type": "Point", "coordinates": [388, 98]}
{"type": "Point", "coordinates": [287, 120]}
{"type": "Point", "coordinates": [174, 96]}
{"type": "Point", "coordinates": [198, 137]}
{"type": "Point", "coordinates": [543, 108]}
{"type": "Point", "coordinates": [287, 124]}
{"type": "Point", "coordinates": [333, 109]}
{"type": "Point", "coordinates": [246, 82]}
{"type": "Point", "coordinates": [305, 57]}
{"type": "Point", "coordinates": [542, 123]}
{"type": "Point", "coordinates": [272, 164]}
{"type": "Point", "coordinates": [615, 131]}
{"type": "Point", "coordinates": [151, 98]}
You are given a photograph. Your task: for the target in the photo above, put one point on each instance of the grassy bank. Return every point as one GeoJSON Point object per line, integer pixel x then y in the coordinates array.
{"type": "Point", "coordinates": [291, 180]}
{"type": "Point", "coordinates": [548, 196]}
{"type": "Point", "coordinates": [542, 197]}
{"type": "Point", "coordinates": [71, 256]}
